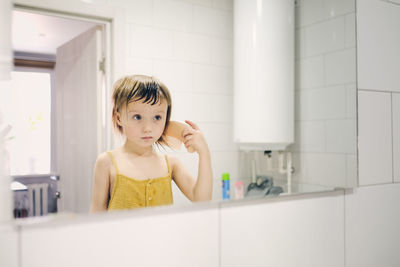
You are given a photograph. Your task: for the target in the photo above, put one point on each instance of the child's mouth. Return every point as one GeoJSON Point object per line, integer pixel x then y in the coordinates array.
{"type": "Point", "coordinates": [147, 138]}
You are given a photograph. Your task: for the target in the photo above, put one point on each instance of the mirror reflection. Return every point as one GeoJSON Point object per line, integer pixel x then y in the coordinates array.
{"type": "Point", "coordinates": [63, 144]}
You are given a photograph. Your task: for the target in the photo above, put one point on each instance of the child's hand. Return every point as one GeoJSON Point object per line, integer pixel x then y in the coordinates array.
{"type": "Point", "coordinates": [194, 139]}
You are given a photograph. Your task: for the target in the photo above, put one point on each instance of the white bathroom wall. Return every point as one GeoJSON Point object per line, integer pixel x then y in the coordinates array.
{"type": "Point", "coordinates": [325, 93]}
{"type": "Point", "coordinates": [378, 86]}
{"type": "Point", "coordinates": [371, 211]}
{"type": "Point", "coordinates": [378, 45]}
{"type": "Point", "coordinates": [375, 137]}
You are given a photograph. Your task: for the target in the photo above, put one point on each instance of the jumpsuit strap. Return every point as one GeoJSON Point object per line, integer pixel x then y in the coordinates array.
{"type": "Point", "coordinates": [113, 161]}
{"type": "Point", "coordinates": [169, 168]}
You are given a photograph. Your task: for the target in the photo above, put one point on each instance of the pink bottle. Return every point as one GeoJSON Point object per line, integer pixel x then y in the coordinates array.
{"type": "Point", "coordinates": [239, 190]}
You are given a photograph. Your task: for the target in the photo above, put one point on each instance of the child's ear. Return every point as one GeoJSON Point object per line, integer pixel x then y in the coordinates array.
{"type": "Point", "coordinates": [118, 118]}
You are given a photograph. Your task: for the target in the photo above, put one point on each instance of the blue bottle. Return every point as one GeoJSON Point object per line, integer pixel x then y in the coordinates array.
{"type": "Point", "coordinates": [225, 186]}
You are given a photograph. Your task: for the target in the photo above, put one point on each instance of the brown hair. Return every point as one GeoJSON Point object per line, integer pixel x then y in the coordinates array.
{"type": "Point", "coordinates": [140, 87]}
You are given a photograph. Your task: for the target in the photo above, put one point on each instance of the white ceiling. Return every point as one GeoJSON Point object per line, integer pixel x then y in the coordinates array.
{"type": "Point", "coordinates": [36, 33]}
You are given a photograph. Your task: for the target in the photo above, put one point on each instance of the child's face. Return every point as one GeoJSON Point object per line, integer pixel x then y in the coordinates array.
{"type": "Point", "coordinates": [143, 124]}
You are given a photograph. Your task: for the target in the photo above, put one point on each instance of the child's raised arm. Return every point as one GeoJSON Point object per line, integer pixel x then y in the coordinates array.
{"type": "Point", "coordinates": [200, 190]}
{"type": "Point", "coordinates": [101, 183]}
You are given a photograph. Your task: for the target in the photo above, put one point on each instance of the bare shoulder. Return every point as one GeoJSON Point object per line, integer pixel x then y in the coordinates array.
{"type": "Point", "coordinates": [103, 161]}
{"type": "Point", "coordinates": [172, 159]}
{"type": "Point", "coordinates": [174, 162]}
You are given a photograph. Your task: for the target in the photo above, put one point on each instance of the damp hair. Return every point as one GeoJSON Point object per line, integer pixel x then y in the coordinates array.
{"type": "Point", "coordinates": [146, 89]}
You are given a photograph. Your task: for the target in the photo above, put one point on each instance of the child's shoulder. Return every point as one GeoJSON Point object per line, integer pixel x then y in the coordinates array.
{"type": "Point", "coordinates": [104, 158]}
{"type": "Point", "coordinates": [173, 160]}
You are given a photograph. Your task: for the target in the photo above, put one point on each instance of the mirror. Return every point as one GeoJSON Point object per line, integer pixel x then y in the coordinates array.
{"type": "Point", "coordinates": [194, 59]}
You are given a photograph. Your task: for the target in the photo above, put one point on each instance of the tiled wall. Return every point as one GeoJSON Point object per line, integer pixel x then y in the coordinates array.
{"type": "Point", "coordinates": [372, 216]}
{"type": "Point", "coordinates": [379, 91]}
{"type": "Point", "coordinates": [188, 46]}
{"type": "Point", "coordinates": [325, 147]}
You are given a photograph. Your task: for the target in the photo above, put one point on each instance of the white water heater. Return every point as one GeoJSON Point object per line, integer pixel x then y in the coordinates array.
{"type": "Point", "coordinates": [263, 117]}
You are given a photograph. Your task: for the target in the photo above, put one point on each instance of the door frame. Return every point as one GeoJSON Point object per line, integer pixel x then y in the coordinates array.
{"type": "Point", "coordinates": [109, 51]}
{"type": "Point", "coordinates": [105, 127]}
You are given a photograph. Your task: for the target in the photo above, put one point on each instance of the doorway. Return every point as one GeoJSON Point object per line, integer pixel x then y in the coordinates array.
{"type": "Point", "coordinates": [63, 128]}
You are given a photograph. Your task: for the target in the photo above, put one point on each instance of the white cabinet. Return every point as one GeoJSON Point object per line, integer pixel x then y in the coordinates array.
{"type": "Point", "coordinates": [301, 232]}
{"type": "Point", "coordinates": [372, 226]}
{"type": "Point", "coordinates": [396, 136]}
{"type": "Point", "coordinates": [374, 137]}
{"type": "Point", "coordinates": [9, 245]}
{"type": "Point", "coordinates": [185, 238]}
{"type": "Point", "coordinates": [378, 42]}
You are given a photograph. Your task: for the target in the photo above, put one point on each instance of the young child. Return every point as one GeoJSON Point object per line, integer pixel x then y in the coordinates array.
{"type": "Point", "coordinates": [134, 175]}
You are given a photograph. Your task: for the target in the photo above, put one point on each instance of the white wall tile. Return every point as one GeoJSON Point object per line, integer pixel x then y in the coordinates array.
{"type": "Point", "coordinates": [9, 245]}
{"type": "Point", "coordinates": [351, 101]}
{"type": "Point", "coordinates": [378, 61]}
{"type": "Point", "coordinates": [310, 136]}
{"type": "Point", "coordinates": [372, 222]}
{"type": "Point", "coordinates": [222, 4]}
{"type": "Point", "coordinates": [195, 48]}
{"type": "Point", "coordinates": [139, 11]}
{"type": "Point", "coordinates": [396, 136]}
{"type": "Point", "coordinates": [310, 72]}
{"type": "Point", "coordinates": [325, 37]}
{"type": "Point", "coordinates": [177, 238]}
{"type": "Point", "coordinates": [313, 11]}
{"type": "Point", "coordinates": [212, 79]}
{"type": "Point", "coordinates": [340, 67]}
{"type": "Point", "coordinates": [300, 43]}
{"type": "Point", "coordinates": [219, 136]}
{"type": "Point", "coordinates": [205, 20]}
{"type": "Point", "coordinates": [176, 75]}
{"type": "Point", "coordinates": [322, 103]}
{"type": "Point", "coordinates": [351, 171]}
{"type": "Point", "coordinates": [206, 3]}
{"type": "Point", "coordinates": [212, 21]}
{"type": "Point", "coordinates": [341, 136]}
{"type": "Point", "coordinates": [309, 12]}
{"type": "Point", "coordinates": [325, 169]}
{"type": "Point", "coordinates": [265, 234]}
{"type": "Point", "coordinates": [140, 41]}
{"type": "Point", "coordinates": [150, 42]}
{"type": "Point", "coordinates": [325, 78]}
{"type": "Point", "coordinates": [202, 107]}
{"type": "Point", "coordinates": [374, 137]}
{"type": "Point", "coordinates": [136, 65]}
{"type": "Point", "coordinates": [350, 31]}
{"type": "Point", "coordinates": [334, 8]}
{"type": "Point", "coordinates": [173, 15]}
{"type": "Point", "coordinates": [222, 52]}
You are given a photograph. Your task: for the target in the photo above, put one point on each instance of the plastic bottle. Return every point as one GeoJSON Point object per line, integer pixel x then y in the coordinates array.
{"type": "Point", "coordinates": [225, 186]}
{"type": "Point", "coordinates": [239, 190]}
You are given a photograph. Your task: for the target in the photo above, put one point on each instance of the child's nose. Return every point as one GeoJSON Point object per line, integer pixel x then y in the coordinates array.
{"type": "Point", "coordinates": [147, 126]}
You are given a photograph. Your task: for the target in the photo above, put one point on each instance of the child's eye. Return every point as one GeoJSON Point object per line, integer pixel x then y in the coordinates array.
{"type": "Point", "coordinates": [137, 117]}
{"type": "Point", "coordinates": [157, 118]}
